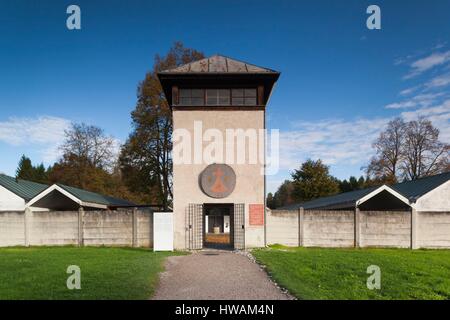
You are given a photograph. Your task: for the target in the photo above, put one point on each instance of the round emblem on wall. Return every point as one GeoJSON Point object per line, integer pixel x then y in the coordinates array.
{"type": "Point", "coordinates": [218, 180]}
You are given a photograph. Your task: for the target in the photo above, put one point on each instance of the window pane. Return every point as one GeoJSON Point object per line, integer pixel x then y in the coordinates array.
{"type": "Point", "coordinates": [238, 93]}
{"type": "Point", "coordinates": [224, 101]}
{"type": "Point", "coordinates": [238, 101]}
{"type": "Point", "coordinates": [224, 97]}
{"type": "Point", "coordinates": [211, 101]}
{"type": "Point", "coordinates": [250, 93]}
{"type": "Point", "coordinates": [198, 101]}
{"type": "Point", "coordinates": [185, 92]}
{"type": "Point", "coordinates": [250, 101]}
{"type": "Point", "coordinates": [211, 96]}
{"type": "Point", "coordinates": [185, 101]}
{"type": "Point", "coordinates": [197, 93]}
{"type": "Point", "coordinates": [224, 93]}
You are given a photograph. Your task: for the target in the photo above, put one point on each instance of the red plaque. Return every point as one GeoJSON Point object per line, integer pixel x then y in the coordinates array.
{"type": "Point", "coordinates": [256, 214]}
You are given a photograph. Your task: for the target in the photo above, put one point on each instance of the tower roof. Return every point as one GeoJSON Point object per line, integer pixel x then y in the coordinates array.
{"type": "Point", "coordinates": [218, 64]}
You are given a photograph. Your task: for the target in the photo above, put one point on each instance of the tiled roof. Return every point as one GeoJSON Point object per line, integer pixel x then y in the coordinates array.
{"type": "Point", "coordinates": [410, 189]}
{"type": "Point", "coordinates": [218, 64]}
{"type": "Point", "coordinates": [23, 188]}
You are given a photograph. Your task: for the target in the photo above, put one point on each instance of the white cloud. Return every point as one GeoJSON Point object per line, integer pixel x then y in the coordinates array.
{"type": "Point", "coordinates": [420, 100]}
{"type": "Point", "coordinates": [333, 141]}
{"type": "Point", "coordinates": [44, 133]}
{"type": "Point", "coordinates": [421, 65]}
{"type": "Point", "coordinates": [349, 142]}
{"type": "Point", "coordinates": [41, 130]}
{"type": "Point", "coordinates": [439, 115]}
{"type": "Point", "coordinates": [439, 81]}
{"type": "Point", "coordinates": [401, 105]}
{"type": "Point", "coordinates": [408, 91]}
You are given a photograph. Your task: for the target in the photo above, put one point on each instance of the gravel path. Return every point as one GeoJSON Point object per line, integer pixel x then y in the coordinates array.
{"type": "Point", "coordinates": [215, 274]}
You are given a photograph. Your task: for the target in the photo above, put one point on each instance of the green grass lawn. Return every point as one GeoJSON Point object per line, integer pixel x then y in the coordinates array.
{"type": "Point", "coordinates": [106, 273]}
{"type": "Point", "coordinates": [318, 273]}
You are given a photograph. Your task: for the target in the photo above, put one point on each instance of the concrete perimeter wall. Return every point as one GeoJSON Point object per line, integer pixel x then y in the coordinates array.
{"type": "Point", "coordinates": [385, 229]}
{"type": "Point", "coordinates": [345, 228]}
{"type": "Point", "coordinates": [328, 228]}
{"type": "Point", "coordinates": [90, 228]}
{"type": "Point", "coordinates": [433, 230]}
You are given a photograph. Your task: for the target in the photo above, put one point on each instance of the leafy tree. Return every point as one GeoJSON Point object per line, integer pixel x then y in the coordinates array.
{"type": "Point", "coordinates": [145, 158]}
{"type": "Point", "coordinates": [270, 201]}
{"type": "Point", "coordinates": [25, 169]}
{"type": "Point", "coordinates": [312, 181]}
{"type": "Point", "coordinates": [282, 197]}
{"type": "Point", "coordinates": [352, 184]}
{"type": "Point", "coordinates": [40, 174]}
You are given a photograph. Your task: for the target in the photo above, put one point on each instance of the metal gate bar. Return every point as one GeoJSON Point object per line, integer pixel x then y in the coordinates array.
{"type": "Point", "coordinates": [239, 226]}
{"type": "Point", "coordinates": [194, 226]}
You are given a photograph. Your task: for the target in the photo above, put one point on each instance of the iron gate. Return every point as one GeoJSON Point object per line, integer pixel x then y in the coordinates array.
{"type": "Point", "coordinates": [194, 226]}
{"type": "Point", "coordinates": [239, 226]}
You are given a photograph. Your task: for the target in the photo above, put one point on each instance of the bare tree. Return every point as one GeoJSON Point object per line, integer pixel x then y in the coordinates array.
{"type": "Point", "coordinates": [424, 154]}
{"type": "Point", "coordinates": [385, 165]}
{"type": "Point", "coordinates": [89, 144]}
{"type": "Point", "coordinates": [408, 151]}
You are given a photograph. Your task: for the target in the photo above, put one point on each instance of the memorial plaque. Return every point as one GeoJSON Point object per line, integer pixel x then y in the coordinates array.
{"type": "Point", "coordinates": [218, 180]}
{"type": "Point", "coordinates": [256, 214]}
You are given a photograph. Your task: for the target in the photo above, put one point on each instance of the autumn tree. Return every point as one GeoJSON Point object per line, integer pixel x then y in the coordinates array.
{"type": "Point", "coordinates": [145, 158]}
{"type": "Point", "coordinates": [313, 180]}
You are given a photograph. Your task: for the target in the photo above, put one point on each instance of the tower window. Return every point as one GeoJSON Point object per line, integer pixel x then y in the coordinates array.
{"type": "Point", "coordinates": [218, 97]}
{"type": "Point", "coordinates": [192, 97]}
{"type": "Point", "coordinates": [243, 97]}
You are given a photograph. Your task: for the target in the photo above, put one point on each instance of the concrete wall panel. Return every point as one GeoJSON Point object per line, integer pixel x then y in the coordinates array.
{"type": "Point", "coordinates": [385, 229]}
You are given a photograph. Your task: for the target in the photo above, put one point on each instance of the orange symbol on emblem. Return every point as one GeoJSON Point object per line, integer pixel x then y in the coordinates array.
{"type": "Point", "coordinates": [218, 186]}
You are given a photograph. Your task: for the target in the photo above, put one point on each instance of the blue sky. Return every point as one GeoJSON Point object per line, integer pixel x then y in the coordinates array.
{"type": "Point", "coordinates": [340, 82]}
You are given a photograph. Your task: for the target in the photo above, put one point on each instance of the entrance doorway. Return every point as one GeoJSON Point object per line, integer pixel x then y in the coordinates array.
{"type": "Point", "coordinates": [215, 225]}
{"type": "Point", "coordinates": [218, 226]}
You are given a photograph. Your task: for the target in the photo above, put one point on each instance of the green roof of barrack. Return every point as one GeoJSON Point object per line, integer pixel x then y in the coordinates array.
{"type": "Point", "coordinates": [88, 196]}
{"type": "Point", "coordinates": [409, 189]}
{"type": "Point", "coordinates": [416, 188]}
{"type": "Point", "coordinates": [28, 190]}
{"type": "Point", "coordinates": [25, 189]}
